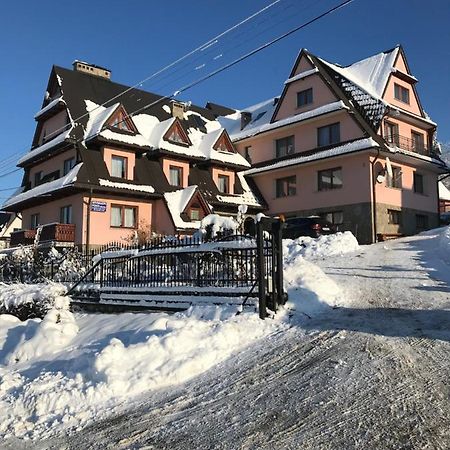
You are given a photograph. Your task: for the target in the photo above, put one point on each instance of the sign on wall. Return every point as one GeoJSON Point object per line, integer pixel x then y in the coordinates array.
{"type": "Point", "coordinates": [98, 206]}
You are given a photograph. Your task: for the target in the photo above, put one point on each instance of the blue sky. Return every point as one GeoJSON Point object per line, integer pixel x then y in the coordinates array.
{"type": "Point", "coordinates": [136, 38]}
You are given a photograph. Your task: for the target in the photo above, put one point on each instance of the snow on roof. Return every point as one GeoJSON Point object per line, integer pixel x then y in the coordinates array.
{"type": "Point", "coordinates": [206, 146]}
{"type": "Point", "coordinates": [371, 74]}
{"type": "Point", "coordinates": [261, 114]}
{"type": "Point", "coordinates": [350, 147]}
{"type": "Point", "coordinates": [47, 146]}
{"type": "Point", "coordinates": [247, 198]}
{"type": "Point", "coordinates": [53, 103]}
{"type": "Point", "coordinates": [131, 187]}
{"type": "Point", "coordinates": [44, 188]}
{"type": "Point", "coordinates": [302, 75]}
{"type": "Point", "coordinates": [177, 202]}
{"type": "Point", "coordinates": [98, 115]}
{"type": "Point", "coordinates": [267, 126]}
{"type": "Point", "coordinates": [444, 193]}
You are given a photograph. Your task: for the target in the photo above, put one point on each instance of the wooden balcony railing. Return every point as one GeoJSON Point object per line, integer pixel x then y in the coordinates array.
{"type": "Point", "coordinates": [52, 232]}
{"type": "Point", "coordinates": [408, 144]}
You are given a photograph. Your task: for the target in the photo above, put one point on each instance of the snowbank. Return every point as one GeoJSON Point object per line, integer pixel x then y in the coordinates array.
{"type": "Point", "coordinates": [309, 289]}
{"type": "Point", "coordinates": [112, 360]}
{"type": "Point", "coordinates": [322, 247]}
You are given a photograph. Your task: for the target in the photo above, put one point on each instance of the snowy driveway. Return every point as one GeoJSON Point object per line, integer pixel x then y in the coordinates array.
{"type": "Point", "coordinates": [372, 375]}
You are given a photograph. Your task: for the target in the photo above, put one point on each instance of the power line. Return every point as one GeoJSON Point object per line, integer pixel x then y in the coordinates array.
{"type": "Point", "coordinates": [219, 70]}
{"type": "Point", "coordinates": [172, 64]}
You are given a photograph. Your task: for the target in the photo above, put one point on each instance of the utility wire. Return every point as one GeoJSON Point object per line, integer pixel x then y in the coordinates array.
{"type": "Point", "coordinates": [172, 64]}
{"type": "Point", "coordinates": [219, 70]}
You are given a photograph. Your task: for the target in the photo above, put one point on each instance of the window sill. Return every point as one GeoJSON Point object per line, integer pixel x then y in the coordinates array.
{"type": "Point", "coordinates": [122, 228]}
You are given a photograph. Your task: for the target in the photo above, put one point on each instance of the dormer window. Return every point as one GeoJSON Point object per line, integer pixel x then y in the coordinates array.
{"type": "Point", "coordinates": [176, 176]}
{"type": "Point", "coordinates": [401, 93]}
{"type": "Point", "coordinates": [223, 184]}
{"type": "Point", "coordinates": [121, 121]}
{"type": "Point", "coordinates": [177, 135]}
{"type": "Point", "coordinates": [224, 144]}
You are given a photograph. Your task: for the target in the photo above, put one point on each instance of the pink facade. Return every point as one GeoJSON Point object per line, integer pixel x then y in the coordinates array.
{"type": "Point", "coordinates": [101, 232]}
{"type": "Point", "coordinates": [322, 95]}
{"type": "Point", "coordinates": [184, 166]}
{"type": "Point", "coordinates": [53, 164]}
{"type": "Point", "coordinates": [55, 124]}
{"type": "Point", "coordinates": [263, 147]}
{"type": "Point", "coordinates": [405, 196]}
{"type": "Point", "coordinates": [130, 156]}
{"type": "Point", "coordinates": [356, 185]}
{"type": "Point", "coordinates": [50, 212]}
{"type": "Point", "coordinates": [227, 173]}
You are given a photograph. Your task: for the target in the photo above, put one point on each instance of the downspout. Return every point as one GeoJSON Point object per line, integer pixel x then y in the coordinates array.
{"type": "Point", "coordinates": [88, 221]}
{"type": "Point", "coordinates": [373, 204]}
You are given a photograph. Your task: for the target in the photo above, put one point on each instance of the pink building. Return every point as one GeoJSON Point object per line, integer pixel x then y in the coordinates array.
{"type": "Point", "coordinates": [350, 143]}
{"type": "Point", "coordinates": [103, 170]}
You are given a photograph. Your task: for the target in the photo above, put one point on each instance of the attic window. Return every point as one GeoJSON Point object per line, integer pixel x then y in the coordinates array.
{"type": "Point", "coordinates": [177, 135]}
{"type": "Point", "coordinates": [121, 121]}
{"type": "Point", "coordinates": [224, 144]}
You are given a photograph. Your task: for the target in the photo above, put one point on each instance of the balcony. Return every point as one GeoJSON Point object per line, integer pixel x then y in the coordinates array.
{"type": "Point", "coordinates": [411, 145]}
{"type": "Point", "coordinates": [53, 232]}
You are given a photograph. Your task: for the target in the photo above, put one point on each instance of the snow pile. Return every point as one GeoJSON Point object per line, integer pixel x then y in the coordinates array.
{"type": "Point", "coordinates": [322, 247]}
{"type": "Point", "coordinates": [53, 333]}
{"type": "Point", "coordinates": [42, 297]}
{"type": "Point", "coordinates": [111, 361]}
{"type": "Point", "coordinates": [444, 245]}
{"type": "Point", "coordinates": [309, 289]}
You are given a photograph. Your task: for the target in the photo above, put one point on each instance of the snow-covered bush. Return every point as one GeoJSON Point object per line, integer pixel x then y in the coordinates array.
{"type": "Point", "coordinates": [214, 225]}
{"type": "Point", "coordinates": [30, 300]}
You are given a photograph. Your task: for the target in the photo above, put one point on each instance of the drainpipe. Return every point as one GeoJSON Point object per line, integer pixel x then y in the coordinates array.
{"type": "Point", "coordinates": [88, 221]}
{"type": "Point", "coordinates": [373, 205]}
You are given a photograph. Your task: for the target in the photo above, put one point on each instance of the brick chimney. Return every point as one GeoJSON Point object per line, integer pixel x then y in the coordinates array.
{"type": "Point", "coordinates": [92, 69]}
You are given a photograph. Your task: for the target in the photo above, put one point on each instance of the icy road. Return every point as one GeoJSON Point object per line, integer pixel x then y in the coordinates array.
{"type": "Point", "coordinates": [371, 375]}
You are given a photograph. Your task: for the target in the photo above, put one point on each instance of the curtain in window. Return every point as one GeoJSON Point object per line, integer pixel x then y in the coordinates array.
{"type": "Point", "coordinates": [116, 216]}
{"type": "Point", "coordinates": [129, 217]}
{"type": "Point", "coordinates": [118, 167]}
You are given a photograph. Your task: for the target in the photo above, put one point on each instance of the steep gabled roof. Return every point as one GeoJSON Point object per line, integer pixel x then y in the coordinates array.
{"type": "Point", "coordinates": [370, 74]}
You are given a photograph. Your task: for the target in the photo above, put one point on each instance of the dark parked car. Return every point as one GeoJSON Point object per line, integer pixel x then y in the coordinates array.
{"type": "Point", "coordinates": [307, 226]}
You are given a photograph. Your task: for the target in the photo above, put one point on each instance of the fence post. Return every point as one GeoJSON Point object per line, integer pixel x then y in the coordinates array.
{"type": "Point", "coordinates": [278, 250]}
{"type": "Point", "coordinates": [261, 270]}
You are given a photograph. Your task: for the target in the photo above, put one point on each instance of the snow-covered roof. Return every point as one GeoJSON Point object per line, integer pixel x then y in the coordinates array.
{"type": "Point", "coordinates": [129, 186]}
{"type": "Point", "coordinates": [371, 73]}
{"type": "Point", "coordinates": [302, 75]}
{"type": "Point", "coordinates": [338, 150]}
{"type": "Point", "coordinates": [246, 198]}
{"type": "Point", "coordinates": [444, 193]}
{"type": "Point", "coordinates": [177, 202]}
{"type": "Point", "coordinates": [45, 147]}
{"type": "Point", "coordinates": [263, 124]}
{"type": "Point", "coordinates": [151, 134]}
{"type": "Point", "coordinates": [45, 188]}
{"type": "Point", "coordinates": [50, 106]}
